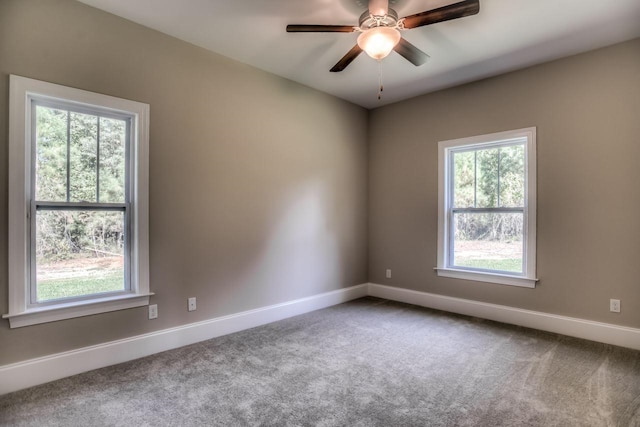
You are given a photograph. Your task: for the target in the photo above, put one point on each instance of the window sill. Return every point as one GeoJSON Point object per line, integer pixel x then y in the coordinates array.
{"type": "Point", "coordinates": [76, 309]}
{"type": "Point", "coordinates": [501, 279]}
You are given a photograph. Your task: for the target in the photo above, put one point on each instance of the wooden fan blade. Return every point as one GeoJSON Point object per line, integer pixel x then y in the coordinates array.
{"type": "Point", "coordinates": [411, 53]}
{"type": "Point", "coordinates": [320, 29]}
{"type": "Point", "coordinates": [347, 59]}
{"type": "Point", "coordinates": [441, 14]}
{"type": "Point", "coordinates": [378, 7]}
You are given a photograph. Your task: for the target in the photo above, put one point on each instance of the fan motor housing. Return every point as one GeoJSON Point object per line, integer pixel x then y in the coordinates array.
{"type": "Point", "coordinates": [368, 20]}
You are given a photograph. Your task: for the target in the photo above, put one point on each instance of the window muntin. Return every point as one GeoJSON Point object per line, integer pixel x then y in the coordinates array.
{"type": "Point", "coordinates": [109, 137]}
{"type": "Point", "coordinates": [486, 220]}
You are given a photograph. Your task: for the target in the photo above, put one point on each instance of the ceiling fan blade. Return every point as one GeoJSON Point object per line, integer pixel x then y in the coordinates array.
{"type": "Point", "coordinates": [378, 7]}
{"type": "Point", "coordinates": [411, 53]}
{"type": "Point", "coordinates": [445, 13]}
{"type": "Point", "coordinates": [320, 29]}
{"type": "Point", "coordinates": [347, 59]}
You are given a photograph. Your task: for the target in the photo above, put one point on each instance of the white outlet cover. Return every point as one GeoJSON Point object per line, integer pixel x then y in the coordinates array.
{"type": "Point", "coordinates": [153, 311]}
{"type": "Point", "coordinates": [614, 305]}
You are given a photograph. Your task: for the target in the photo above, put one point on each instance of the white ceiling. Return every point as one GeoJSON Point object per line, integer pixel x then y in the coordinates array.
{"type": "Point", "coordinates": [506, 35]}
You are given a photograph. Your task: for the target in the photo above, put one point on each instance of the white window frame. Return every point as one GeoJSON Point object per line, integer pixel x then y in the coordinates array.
{"type": "Point", "coordinates": [445, 197]}
{"type": "Point", "coordinates": [22, 93]}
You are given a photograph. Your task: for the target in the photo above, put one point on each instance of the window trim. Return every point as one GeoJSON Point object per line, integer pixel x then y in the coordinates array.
{"type": "Point", "coordinates": [528, 278]}
{"type": "Point", "coordinates": [21, 92]}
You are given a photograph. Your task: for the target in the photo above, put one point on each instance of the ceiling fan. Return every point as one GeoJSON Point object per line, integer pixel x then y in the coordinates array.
{"type": "Point", "coordinates": [380, 30]}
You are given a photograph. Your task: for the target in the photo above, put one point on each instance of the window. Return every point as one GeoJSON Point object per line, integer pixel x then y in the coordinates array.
{"type": "Point", "coordinates": [487, 208]}
{"type": "Point", "coordinates": [78, 231]}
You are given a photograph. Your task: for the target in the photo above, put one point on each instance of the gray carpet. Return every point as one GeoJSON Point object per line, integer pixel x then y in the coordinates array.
{"type": "Point", "coordinates": [368, 362]}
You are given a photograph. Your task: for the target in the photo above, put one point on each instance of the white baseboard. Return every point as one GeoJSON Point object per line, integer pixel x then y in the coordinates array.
{"type": "Point", "coordinates": [571, 326]}
{"type": "Point", "coordinates": [49, 368]}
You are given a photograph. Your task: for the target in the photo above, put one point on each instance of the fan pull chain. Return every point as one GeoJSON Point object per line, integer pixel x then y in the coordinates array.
{"type": "Point", "coordinates": [381, 88]}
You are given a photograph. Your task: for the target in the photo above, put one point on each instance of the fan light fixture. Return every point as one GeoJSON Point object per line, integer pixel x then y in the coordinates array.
{"type": "Point", "coordinates": [380, 31]}
{"type": "Point", "coordinates": [381, 27]}
{"type": "Point", "coordinates": [378, 42]}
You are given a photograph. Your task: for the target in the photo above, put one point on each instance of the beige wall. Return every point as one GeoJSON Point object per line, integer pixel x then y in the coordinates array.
{"type": "Point", "coordinates": [257, 184]}
{"type": "Point", "coordinates": [587, 112]}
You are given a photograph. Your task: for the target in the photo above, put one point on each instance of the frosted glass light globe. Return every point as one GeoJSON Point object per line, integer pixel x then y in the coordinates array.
{"type": "Point", "coordinates": [378, 42]}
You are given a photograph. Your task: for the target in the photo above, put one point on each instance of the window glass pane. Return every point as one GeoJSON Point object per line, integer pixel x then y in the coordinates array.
{"type": "Point", "coordinates": [112, 160]}
{"type": "Point", "coordinates": [78, 253]}
{"type": "Point", "coordinates": [487, 178]}
{"type": "Point", "coordinates": [512, 176]}
{"type": "Point", "coordinates": [464, 179]}
{"type": "Point", "coordinates": [490, 241]}
{"type": "Point", "coordinates": [51, 154]}
{"type": "Point", "coordinates": [84, 137]}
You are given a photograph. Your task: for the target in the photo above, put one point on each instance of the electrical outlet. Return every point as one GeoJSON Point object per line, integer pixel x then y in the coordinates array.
{"type": "Point", "coordinates": [388, 273]}
{"type": "Point", "coordinates": [614, 305]}
{"type": "Point", "coordinates": [153, 311]}
{"type": "Point", "coordinates": [191, 304]}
